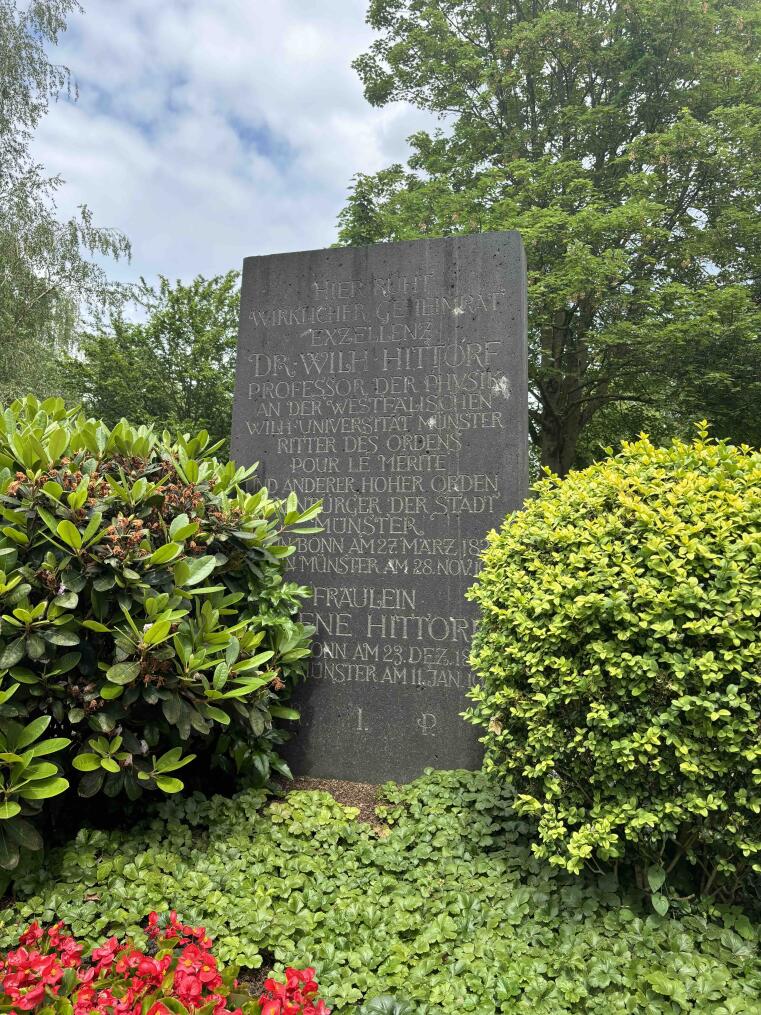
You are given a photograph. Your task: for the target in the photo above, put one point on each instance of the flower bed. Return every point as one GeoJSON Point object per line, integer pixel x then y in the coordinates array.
{"type": "Point", "coordinates": [176, 974]}
{"type": "Point", "coordinates": [445, 907]}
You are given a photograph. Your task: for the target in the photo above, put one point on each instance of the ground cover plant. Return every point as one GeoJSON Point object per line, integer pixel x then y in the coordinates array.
{"type": "Point", "coordinates": [144, 618]}
{"type": "Point", "coordinates": [619, 657]}
{"type": "Point", "coordinates": [447, 909]}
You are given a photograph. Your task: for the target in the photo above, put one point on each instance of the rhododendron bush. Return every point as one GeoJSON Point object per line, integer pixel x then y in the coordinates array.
{"type": "Point", "coordinates": [177, 974]}
{"type": "Point", "coordinates": [144, 616]}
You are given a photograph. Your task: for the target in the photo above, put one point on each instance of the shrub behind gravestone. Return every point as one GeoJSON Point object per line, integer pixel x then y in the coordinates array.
{"type": "Point", "coordinates": [619, 661]}
{"type": "Point", "coordinates": [144, 612]}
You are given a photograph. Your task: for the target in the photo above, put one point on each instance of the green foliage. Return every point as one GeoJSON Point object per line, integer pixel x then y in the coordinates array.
{"type": "Point", "coordinates": [388, 1005]}
{"type": "Point", "coordinates": [623, 141]}
{"type": "Point", "coordinates": [25, 781]}
{"type": "Point", "coordinates": [175, 368]}
{"type": "Point", "coordinates": [619, 660]}
{"type": "Point", "coordinates": [142, 605]}
{"type": "Point", "coordinates": [48, 268]}
{"type": "Point", "coordinates": [448, 908]}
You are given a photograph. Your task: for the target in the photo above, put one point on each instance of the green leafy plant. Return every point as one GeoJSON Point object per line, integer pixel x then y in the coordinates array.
{"type": "Point", "coordinates": [168, 361]}
{"type": "Point", "coordinates": [619, 660]}
{"type": "Point", "coordinates": [143, 607]}
{"type": "Point", "coordinates": [25, 781]}
{"type": "Point", "coordinates": [388, 1005]}
{"type": "Point", "coordinates": [440, 903]}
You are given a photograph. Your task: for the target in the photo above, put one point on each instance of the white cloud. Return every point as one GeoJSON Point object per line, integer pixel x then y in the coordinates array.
{"type": "Point", "coordinates": [211, 131]}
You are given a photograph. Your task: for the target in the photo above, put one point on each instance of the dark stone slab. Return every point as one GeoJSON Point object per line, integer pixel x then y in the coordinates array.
{"type": "Point", "coordinates": [390, 382]}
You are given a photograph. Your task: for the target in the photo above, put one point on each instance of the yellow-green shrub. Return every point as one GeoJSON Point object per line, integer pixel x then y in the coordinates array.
{"type": "Point", "coordinates": [620, 663]}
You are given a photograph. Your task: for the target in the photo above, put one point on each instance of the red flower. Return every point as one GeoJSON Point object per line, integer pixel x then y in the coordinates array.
{"type": "Point", "coordinates": [294, 997]}
{"type": "Point", "coordinates": [83, 1000]}
{"type": "Point", "coordinates": [32, 934]}
{"type": "Point", "coordinates": [105, 955]}
{"type": "Point", "coordinates": [187, 986]}
{"type": "Point", "coordinates": [149, 967]}
{"type": "Point", "coordinates": [118, 979]}
{"type": "Point", "coordinates": [29, 999]}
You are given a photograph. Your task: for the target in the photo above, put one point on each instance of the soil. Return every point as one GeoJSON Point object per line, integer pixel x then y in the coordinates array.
{"type": "Point", "coordinates": [362, 795]}
{"type": "Point", "coordinates": [252, 980]}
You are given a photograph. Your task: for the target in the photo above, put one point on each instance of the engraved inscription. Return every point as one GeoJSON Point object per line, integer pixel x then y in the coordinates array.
{"type": "Point", "coordinates": [427, 724]}
{"type": "Point", "coordinates": [389, 384]}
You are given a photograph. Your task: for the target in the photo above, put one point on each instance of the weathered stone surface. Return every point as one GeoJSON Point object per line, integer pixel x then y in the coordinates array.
{"type": "Point", "coordinates": [390, 382]}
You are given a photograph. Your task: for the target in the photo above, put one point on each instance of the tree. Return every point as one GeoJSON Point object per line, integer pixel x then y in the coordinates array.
{"type": "Point", "coordinates": [47, 274]}
{"type": "Point", "coordinates": [622, 140]}
{"type": "Point", "coordinates": [175, 368]}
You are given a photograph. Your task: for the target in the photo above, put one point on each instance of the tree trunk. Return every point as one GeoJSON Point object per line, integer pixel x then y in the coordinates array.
{"type": "Point", "coordinates": [558, 443]}
{"type": "Point", "coordinates": [560, 421]}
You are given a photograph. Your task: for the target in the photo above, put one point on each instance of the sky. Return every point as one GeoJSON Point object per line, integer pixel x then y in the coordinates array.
{"type": "Point", "coordinates": [209, 130]}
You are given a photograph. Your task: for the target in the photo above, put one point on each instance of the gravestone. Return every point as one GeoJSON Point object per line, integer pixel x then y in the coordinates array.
{"type": "Point", "coordinates": [389, 382]}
